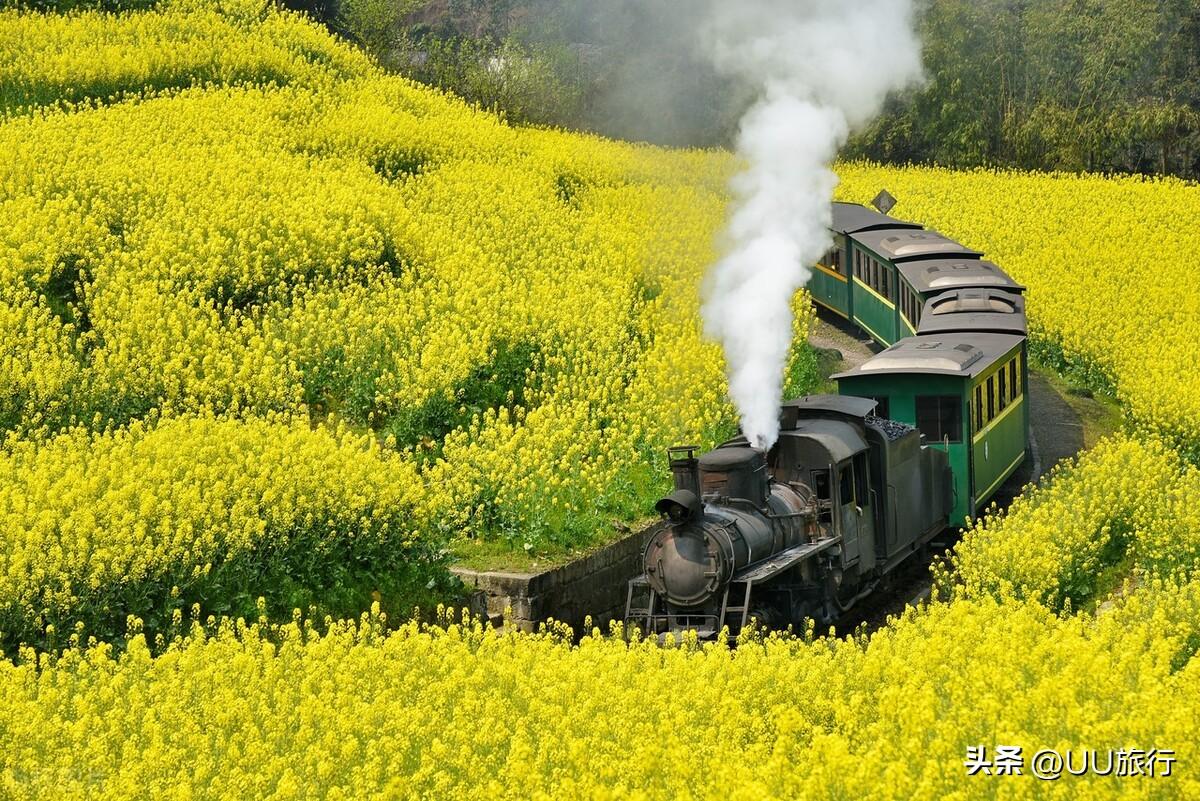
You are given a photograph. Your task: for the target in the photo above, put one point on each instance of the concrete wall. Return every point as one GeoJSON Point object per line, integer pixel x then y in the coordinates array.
{"type": "Point", "coordinates": [593, 585]}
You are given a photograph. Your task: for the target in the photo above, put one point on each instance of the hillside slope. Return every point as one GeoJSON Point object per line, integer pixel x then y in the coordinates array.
{"type": "Point", "coordinates": [222, 212]}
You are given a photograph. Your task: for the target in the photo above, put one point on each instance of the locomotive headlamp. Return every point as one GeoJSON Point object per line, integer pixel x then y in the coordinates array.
{"type": "Point", "coordinates": [680, 506]}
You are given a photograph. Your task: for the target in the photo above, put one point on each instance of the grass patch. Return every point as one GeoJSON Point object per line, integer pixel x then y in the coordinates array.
{"type": "Point", "coordinates": [1100, 414]}
{"type": "Point", "coordinates": [499, 383]}
{"type": "Point", "coordinates": [499, 555]}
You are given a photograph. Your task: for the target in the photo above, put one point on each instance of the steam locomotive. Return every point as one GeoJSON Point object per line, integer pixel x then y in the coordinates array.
{"type": "Point", "coordinates": [918, 439]}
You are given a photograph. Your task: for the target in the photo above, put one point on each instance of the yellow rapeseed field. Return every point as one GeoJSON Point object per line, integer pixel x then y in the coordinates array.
{"type": "Point", "coordinates": [517, 309]}
{"type": "Point", "coordinates": [140, 520]}
{"type": "Point", "coordinates": [274, 323]}
{"type": "Point", "coordinates": [1125, 505]}
{"type": "Point", "coordinates": [459, 712]}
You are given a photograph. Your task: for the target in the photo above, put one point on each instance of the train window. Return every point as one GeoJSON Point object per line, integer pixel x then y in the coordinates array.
{"type": "Point", "coordinates": [820, 484]}
{"type": "Point", "coordinates": [846, 479]}
{"type": "Point", "coordinates": [1014, 384]}
{"type": "Point", "coordinates": [881, 406]}
{"type": "Point", "coordinates": [860, 478]}
{"type": "Point", "coordinates": [883, 280]}
{"type": "Point", "coordinates": [991, 398]}
{"type": "Point", "coordinates": [939, 417]}
{"type": "Point", "coordinates": [1003, 387]}
{"type": "Point", "coordinates": [978, 409]}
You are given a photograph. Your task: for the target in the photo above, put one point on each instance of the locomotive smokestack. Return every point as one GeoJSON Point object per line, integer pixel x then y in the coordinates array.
{"type": "Point", "coordinates": [822, 68]}
{"type": "Point", "coordinates": [685, 467]}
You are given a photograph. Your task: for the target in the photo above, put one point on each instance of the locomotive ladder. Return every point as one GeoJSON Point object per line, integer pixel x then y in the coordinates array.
{"type": "Point", "coordinates": [645, 613]}
{"type": "Point", "coordinates": [764, 572]}
{"type": "Point", "coordinates": [743, 610]}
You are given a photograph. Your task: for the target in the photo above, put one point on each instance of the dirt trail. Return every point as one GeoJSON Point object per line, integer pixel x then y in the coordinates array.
{"type": "Point", "coordinates": [832, 333]}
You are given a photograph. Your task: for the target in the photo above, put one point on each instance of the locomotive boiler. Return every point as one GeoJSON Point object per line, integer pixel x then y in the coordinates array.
{"type": "Point", "coordinates": [804, 530]}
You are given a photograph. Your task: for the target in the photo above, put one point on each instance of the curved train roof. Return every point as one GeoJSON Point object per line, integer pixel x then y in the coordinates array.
{"type": "Point", "coordinates": [962, 354]}
{"type": "Point", "coordinates": [932, 275]}
{"type": "Point", "coordinates": [851, 218]}
{"type": "Point", "coordinates": [903, 245]}
{"type": "Point", "coordinates": [838, 438]}
{"type": "Point", "coordinates": [985, 309]}
{"type": "Point", "coordinates": [815, 405]}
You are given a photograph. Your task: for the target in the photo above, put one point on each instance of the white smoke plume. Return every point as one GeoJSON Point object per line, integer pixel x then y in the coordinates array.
{"type": "Point", "coordinates": [823, 68]}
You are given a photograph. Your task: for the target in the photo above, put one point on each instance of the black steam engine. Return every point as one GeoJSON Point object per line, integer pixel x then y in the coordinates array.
{"type": "Point", "coordinates": [804, 530]}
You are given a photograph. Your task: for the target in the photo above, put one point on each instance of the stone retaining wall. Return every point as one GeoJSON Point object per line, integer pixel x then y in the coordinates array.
{"type": "Point", "coordinates": [593, 585]}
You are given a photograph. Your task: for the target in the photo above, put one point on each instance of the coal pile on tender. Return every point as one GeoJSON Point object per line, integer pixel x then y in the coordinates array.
{"type": "Point", "coordinates": [892, 429]}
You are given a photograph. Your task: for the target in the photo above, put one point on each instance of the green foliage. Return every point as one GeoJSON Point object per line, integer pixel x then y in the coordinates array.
{"type": "Point", "coordinates": [628, 69]}
{"type": "Point", "coordinates": [1077, 368]}
{"type": "Point", "coordinates": [1101, 85]}
{"type": "Point", "coordinates": [527, 83]}
{"type": "Point", "coordinates": [803, 371]}
{"type": "Point", "coordinates": [1098, 85]}
{"type": "Point", "coordinates": [375, 24]}
{"type": "Point", "coordinates": [338, 578]}
{"type": "Point", "coordinates": [500, 383]}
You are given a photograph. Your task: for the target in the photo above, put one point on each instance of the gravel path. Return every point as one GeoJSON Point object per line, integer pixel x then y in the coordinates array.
{"type": "Point", "coordinates": [832, 333]}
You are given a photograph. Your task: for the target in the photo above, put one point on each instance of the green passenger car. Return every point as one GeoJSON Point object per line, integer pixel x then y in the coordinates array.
{"type": "Point", "coordinates": [878, 292]}
{"type": "Point", "coordinates": [966, 393]}
{"type": "Point", "coordinates": [924, 281]}
{"type": "Point", "coordinates": [830, 284]}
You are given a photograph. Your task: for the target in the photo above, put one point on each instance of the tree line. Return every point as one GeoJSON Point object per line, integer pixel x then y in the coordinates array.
{"type": "Point", "coordinates": [1096, 85]}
